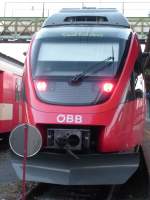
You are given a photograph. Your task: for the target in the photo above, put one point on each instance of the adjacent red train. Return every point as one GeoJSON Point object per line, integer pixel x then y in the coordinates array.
{"type": "Point", "coordinates": [10, 83]}
{"type": "Point", "coordinates": [83, 92]}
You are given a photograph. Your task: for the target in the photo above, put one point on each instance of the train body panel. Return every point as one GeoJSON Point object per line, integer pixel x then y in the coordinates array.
{"type": "Point", "coordinates": [113, 114]}
{"type": "Point", "coordinates": [83, 90]}
{"type": "Point", "coordinates": [10, 78]}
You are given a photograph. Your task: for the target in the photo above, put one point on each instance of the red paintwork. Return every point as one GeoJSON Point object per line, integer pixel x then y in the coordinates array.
{"type": "Point", "coordinates": [8, 96]}
{"type": "Point", "coordinates": [123, 122]}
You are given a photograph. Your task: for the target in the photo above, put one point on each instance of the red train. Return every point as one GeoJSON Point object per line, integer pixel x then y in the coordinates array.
{"type": "Point", "coordinates": [11, 72]}
{"type": "Point", "coordinates": [83, 100]}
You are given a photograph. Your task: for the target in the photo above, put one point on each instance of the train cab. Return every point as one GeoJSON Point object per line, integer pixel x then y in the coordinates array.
{"type": "Point", "coordinates": [83, 100]}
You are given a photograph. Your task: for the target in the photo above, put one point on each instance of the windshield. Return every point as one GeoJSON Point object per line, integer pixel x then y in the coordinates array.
{"type": "Point", "coordinates": [68, 51]}
{"type": "Point", "coordinates": [77, 52]}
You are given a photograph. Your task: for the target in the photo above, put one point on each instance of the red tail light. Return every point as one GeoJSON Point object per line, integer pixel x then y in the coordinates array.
{"type": "Point", "coordinates": [41, 86]}
{"type": "Point", "coordinates": [108, 87]}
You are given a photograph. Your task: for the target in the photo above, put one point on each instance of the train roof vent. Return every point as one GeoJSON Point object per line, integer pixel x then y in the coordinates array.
{"type": "Point", "coordinates": [86, 19]}
{"type": "Point", "coordinates": [110, 17]}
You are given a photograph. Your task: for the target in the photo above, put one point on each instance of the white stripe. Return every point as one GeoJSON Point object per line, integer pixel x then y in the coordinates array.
{"type": "Point", "coordinates": [6, 111]}
{"type": "Point", "coordinates": [10, 67]}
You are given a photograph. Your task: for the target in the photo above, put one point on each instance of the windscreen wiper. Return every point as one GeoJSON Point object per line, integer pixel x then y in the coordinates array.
{"type": "Point", "coordinates": [92, 69]}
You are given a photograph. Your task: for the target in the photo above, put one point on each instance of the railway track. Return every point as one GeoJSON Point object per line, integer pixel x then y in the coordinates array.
{"type": "Point", "coordinates": [55, 192]}
{"type": "Point", "coordinates": [4, 145]}
{"type": "Point", "coordinates": [136, 188]}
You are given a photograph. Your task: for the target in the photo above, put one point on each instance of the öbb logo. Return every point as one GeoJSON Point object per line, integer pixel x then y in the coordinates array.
{"type": "Point", "coordinates": [62, 118]}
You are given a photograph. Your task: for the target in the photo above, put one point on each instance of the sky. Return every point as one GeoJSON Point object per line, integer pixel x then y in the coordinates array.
{"type": "Point", "coordinates": [34, 8]}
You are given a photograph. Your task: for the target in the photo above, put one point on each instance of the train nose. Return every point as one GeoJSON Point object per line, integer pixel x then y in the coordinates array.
{"type": "Point", "coordinates": [25, 139]}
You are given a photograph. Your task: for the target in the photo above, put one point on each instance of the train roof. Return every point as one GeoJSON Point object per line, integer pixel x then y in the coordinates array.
{"type": "Point", "coordinates": [10, 64]}
{"type": "Point", "coordinates": [94, 16]}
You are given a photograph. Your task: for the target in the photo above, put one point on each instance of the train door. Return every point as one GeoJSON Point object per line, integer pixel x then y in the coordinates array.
{"type": "Point", "coordinates": [17, 106]}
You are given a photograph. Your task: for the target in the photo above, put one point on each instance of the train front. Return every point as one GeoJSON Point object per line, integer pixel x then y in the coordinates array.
{"type": "Point", "coordinates": [78, 100]}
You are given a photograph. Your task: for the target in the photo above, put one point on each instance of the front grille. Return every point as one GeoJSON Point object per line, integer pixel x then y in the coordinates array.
{"type": "Point", "coordinates": [63, 93]}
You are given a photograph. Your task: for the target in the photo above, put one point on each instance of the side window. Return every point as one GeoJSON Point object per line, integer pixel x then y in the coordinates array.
{"type": "Point", "coordinates": [138, 80]}
{"type": "Point", "coordinates": [136, 86]}
{"type": "Point", "coordinates": [130, 93]}
{"type": "Point", "coordinates": [138, 67]}
{"type": "Point", "coordinates": [17, 89]}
